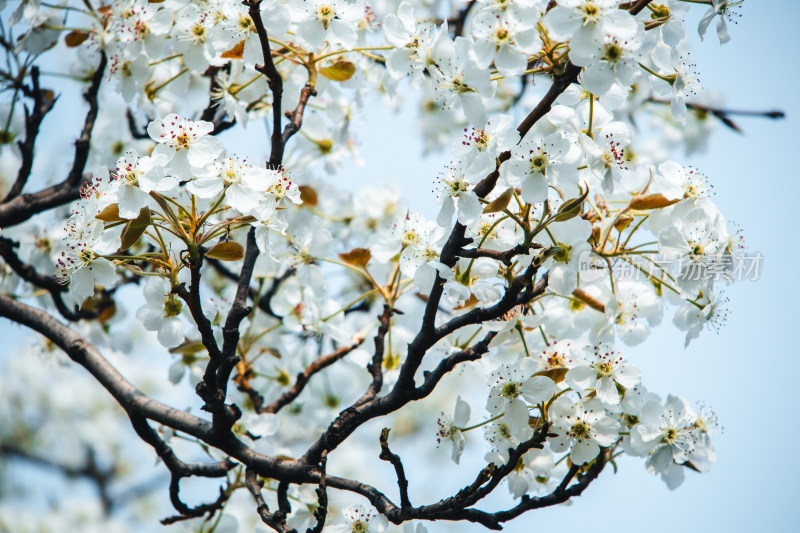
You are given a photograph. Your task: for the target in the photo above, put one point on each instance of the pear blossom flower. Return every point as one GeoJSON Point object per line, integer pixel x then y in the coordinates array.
{"type": "Point", "coordinates": [536, 164]}
{"type": "Point", "coordinates": [161, 312]}
{"type": "Point", "coordinates": [244, 184]}
{"type": "Point", "coordinates": [461, 285]}
{"type": "Point", "coordinates": [583, 427]}
{"type": "Point", "coordinates": [334, 21]}
{"type": "Point", "coordinates": [359, 520]}
{"type": "Point", "coordinates": [611, 61]}
{"type": "Point", "coordinates": [603, 371]}
{"type": "Point", "coordinates": [411, 41]}
{"type": "Point", "coordinates": [726, 10]}
{"type": "Point", "coordinates": [668, 436]}
{"type": "Point", "coordinates": [478, 148]}
{"type": "Point", "coordinates": [632, 310]}
{"type": "Point", "coordinates": [584, 22]}
{"type": "Point", "coordinates": [185, 143]}
{"type": "Point", "coordinates": [81, 264]}
{"type": "Point", "coordinates": [450, 428]}
{"type": "Point", "coordinates": [571, 238]}
{"type": "Point", "coordinates": [673, 64]}
{"type": "Point", "coordinates": [511, 384]}
{"type": "Point", "coordinates": [455, 195]}
{"type": "Point", "coordinates": [505, 42]}
{"type": "Point", "coordinates": [459, 80]}
{"type": "Point", "coordinates": [135, 177]}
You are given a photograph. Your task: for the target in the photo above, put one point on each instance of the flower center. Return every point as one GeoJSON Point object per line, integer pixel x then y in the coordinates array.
{"type": "Point", "coordinates": [325, 14]}
{"type": "Point", "coordinates": [539, 164]}
{"type": "Point", "coordinates": [580, 430]}
{"type": "Point", "coordinates": [510, 390]}
{"type": "Point", "coordinates": [590, 12]}
{"type": "Point", "coordinates": [613, 52]}
{"type": "Point", "coordinates": [563, 253]}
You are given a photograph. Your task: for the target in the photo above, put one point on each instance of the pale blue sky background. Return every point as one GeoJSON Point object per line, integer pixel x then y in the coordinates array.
{"type": "Point", "coordinates": [748, 370]}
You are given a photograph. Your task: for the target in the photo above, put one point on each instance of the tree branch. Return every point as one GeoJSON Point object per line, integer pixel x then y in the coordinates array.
{"type": "Point", "coordinates": [303, 377]}
{"type": "Point", "coordinates": [24, 206]}
{"type": "Point", "coordinates": [43, 102]}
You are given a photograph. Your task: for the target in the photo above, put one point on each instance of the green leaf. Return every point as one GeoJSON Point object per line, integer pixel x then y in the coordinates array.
{"type": "Point", "coordinates": [571, 208]}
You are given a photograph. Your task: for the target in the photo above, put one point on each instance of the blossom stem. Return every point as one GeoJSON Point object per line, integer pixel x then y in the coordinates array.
{"type": "Point", "coordinates": [522, 337]}
{"type": "Point", "coordinates": [657, 75]}
{"type": "Point", "coordinates": [480, 424]}
{"type": "Point", "coordinates": [169, 58]}
{"type": "Point", "coordinates": [359, 49]}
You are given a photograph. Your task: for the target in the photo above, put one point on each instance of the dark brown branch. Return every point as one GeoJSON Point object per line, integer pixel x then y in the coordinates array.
{"type": "Point", "coordinates": [24, 206]}
{"type": "Point", "coordinates": [560, 84]}
{"type": "Point", "coordinates": [140, 407]}
{"type": "Point", "coordinates": [220, 370]}
{"type": "Point", "coordinates": [276, 520]}
{"type": "Point", "coordinates": [206, 389]}
{"type": "Point", "coordinates": [296, 117]}
{"type": "Point", "coordinates": [375, 367]}
{"type": "Point", "coordinates": [724, 114]}
{"type": "Point", "coordinates": [556, 497]}
{"type": "Point", "coordinates": [178, 470]}
{"type": "Point", "coordinates": [83, 353]}
{"type": "Point", "coordinates": [397, 463]}
{"type": "Point", "coordinates": [213, 112]}
{"type": "Point", "coordinates": [133, 128]}
{"type": "Point", "coordinates": [274, 81]}
{"type": "Point", "coordinates": [638, 6]}
{"type": "Point", "coordinates": [303, 377]}
{"type": "Point", "coordinates": [265, 303]}
{"type": "Point", "coordinates": [321, 512]}
{"type": "Point", "coordinates": [504, 257]}
{"type": "Point", "coordinates": [43, 101]}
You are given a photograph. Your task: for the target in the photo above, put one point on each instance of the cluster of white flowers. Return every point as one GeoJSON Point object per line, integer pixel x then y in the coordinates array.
{"type": "Point", "coordinates": [624, 233]}
{"type": "Point", "coordinates": [593, 400]}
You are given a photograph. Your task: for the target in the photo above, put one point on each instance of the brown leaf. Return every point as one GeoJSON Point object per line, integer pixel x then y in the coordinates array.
{"type": "Point", "coordinates": [499, 203]}
{"type": "Point", "coordinates": [308, 195]}
{"type": "Point", "coordinates": [109, 214]}
{"type": "Point", "coordinates": [226, 251]}
{"type": "Point", "coordinates": [622, 222]}
{"type": "Point", "coordinates": [357, 257]}
{"type": "Point", "coordinates": [651, 201]}
{"type": "Point", "coordinates": [236, 52]}
{"type": "Point", "coordinates": [75, 38]}
{"type": "Point", "coordinates": [556, 374]}
{"type": "Point", "coordinates": [340, 71]}
{"type": "Point", "coordinates": [134, 229]}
